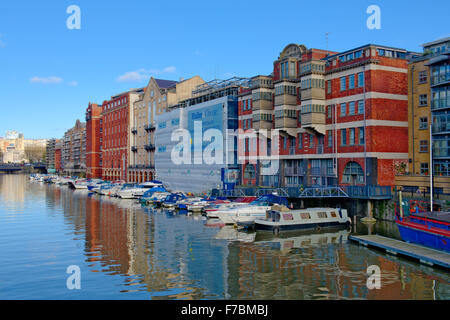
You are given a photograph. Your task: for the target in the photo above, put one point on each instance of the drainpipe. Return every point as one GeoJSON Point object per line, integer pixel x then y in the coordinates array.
{"type": "Point", "coordinates": [431, 165]}
{"type": "Point", "coordinates": [412, 119]}
{"type": "Point", "coordinates": [365, 131]}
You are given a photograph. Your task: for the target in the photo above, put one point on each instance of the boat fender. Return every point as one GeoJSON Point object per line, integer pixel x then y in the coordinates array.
{"type": "Point", "coordinates": [276, 231]}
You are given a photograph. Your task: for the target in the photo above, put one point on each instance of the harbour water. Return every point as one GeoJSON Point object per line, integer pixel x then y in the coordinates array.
{"type": "Point", "coordinates": [125, 251]}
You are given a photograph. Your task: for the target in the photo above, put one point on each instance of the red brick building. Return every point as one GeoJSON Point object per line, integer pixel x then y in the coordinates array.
{"type": "Point", "coordinates": [339, 118]}
{"type": "Point", "coordinates": [116, 130]}
{"type": "Point", "coordinates": [94, 140]}
{"type": "Point", "coordinates": [58, 155]}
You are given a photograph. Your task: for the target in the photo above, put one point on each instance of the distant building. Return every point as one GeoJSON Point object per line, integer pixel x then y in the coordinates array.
{"type": "Point", "coordinates": [94, 138]}
{"type": "Point", "coordinates": [73, 152]}
{"type": "Point", "coordinates": [116, 141]}
{"type": "Point", "coordinates": [58, 156]}
{"type": "Point", "coordinates": [16, 149]}
{"type": "Point", "coordinates": [50, 153]}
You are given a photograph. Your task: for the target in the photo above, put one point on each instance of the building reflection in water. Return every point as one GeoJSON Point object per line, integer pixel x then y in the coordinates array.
{"type": "Point", "coordinates": [10, 190]}
{"type": "Point", "coordinates": [177, 257]}
{"type": "Point", "coordinates": [323, 265]}
{"type": "Point", "coordinates": [166, 256]}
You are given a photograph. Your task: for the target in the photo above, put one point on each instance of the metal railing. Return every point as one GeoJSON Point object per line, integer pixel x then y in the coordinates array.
{"type": "Point", "coordinates": [352, 192]}
{"type": "Point", "coordinates": [442, 78]}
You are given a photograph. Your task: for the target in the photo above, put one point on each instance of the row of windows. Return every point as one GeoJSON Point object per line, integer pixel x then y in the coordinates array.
{"type": "Point", "coordinates": [285, 90]}
{"type": "Point", "coordinates": [116, 103]}
{"type": "Point", "coordinates": [246, 104]}
{"type": "Point", "coordinates": [351, 139]}
{"type": "Point", "coordinates": [261, 82]}
{"type": "Point", "coordinates": [313, 108]}
{"type": "Point", "coordinates": [287, 69]}
{"type": "Point", "coordinates": [351, 82]}
{"type": "Point", "coordinates": [285, 114]}
{"type": "Point", "coordinates": [351, 56]}
{"type": "Point", "coordinates": [351, 108]}
{"type": "Point", "coordinates": [313, 83]}
{"type": "Point", "coordinates": [391, 53]}
{"type": "Point", "coordinates": [262, 117]}
{"type": "Point", "coordinates": [262, 95]}
{"type": "Point", "coordinates": [312, 67]}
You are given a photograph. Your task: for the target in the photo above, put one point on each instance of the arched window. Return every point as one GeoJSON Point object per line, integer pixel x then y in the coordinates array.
{"type": "Point", "coordinates": [353, 174]}
{"type": "Point", "coordinates": [249, 172]}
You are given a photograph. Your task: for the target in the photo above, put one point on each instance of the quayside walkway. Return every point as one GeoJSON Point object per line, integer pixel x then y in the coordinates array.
{"type": "Point", "coordinates": [425, 255]}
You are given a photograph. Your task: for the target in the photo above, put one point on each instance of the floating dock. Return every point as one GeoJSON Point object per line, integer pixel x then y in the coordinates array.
{"type": "Point", "coordinates": [425, 255]}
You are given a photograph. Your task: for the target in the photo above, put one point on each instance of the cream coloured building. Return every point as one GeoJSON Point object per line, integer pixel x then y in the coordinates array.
{"type": "Point", "coordinates": [159, 95]}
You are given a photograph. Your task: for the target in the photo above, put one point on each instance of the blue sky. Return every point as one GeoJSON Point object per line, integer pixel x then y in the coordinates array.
{"type": "Point", "coordinates": [49, 74]}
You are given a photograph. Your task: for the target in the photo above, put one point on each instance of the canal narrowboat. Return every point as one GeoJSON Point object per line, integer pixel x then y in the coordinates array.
{"type": "Point", "coordinates": [283, 220]}
{"type": "Point", "coordinates": [252, 211]}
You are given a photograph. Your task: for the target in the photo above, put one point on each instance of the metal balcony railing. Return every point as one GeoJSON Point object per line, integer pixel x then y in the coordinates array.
{"type": "Point", "coordinates": [442, 78]}
{"type": "Point", "coordinates": [440, 104]}
{"type": "Point", "coordinates": [150, 127]}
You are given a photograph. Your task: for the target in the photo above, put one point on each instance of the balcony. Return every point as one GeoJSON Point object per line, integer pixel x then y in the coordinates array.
{"type": "Point", "coordinates": [294, 171]}
{"type": "Point", "coordinates": [134, 149]}
{"type": "Point", "coordinates": [262, 105]}
{"type": "Point", "coordinates": [322, 172]}
{"type": "Point", "coordinates": [440, 104]}
{"type": "Point", "coordinates": [134, 130]}
{"type": "Point", "coordinates": [441, 128]}
{"type": "Point", "coordinates": [440, 79]}
{"type": "Point", "coordinates": [313, 118]}
{"type": "Point", "coordinates": [150, 147]}
{"type": "Point", "coordinates": [150, 127]}
{"type": "Point", "coordinates": [285, 99]}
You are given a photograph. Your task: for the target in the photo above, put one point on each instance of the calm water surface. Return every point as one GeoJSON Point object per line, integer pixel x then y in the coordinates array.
{"type": "Point", "coordinates": [125, 251]}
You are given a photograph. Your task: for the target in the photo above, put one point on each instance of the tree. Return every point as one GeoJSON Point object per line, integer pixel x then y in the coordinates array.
{"type": "Point", "coordinates": [34, 154]}
{"type": "Point", "coordinates": [1, 156]}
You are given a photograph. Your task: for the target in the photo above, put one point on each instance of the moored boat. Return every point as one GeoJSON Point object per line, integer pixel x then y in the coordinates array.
{"type": "Point", "coordinates": [252, 211]}
{"type": "Point", "coordinates": [430, 229]}
{"type": "Point", "coordinates": [282, 220]}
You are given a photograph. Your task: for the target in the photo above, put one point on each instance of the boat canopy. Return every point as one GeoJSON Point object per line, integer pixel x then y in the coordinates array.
{"type": "Point", "coordinates": [153, 190]}
{"type": "Point", "coordinates": [270, 199]}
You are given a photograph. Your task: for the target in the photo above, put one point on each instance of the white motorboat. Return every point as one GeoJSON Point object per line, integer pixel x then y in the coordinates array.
{"type": "Point", "coordinates": [250, 212]}
{"type": "Point", "coordinates": [144, 187]}
{"type": "Point", "coordinates": [135, 191]}
{"type": "Point", "coordinates": [211, 210]}
{"type": "Point", "coordinates": [280, 220]}
{"type": "Point", "coordinates": [78, 184]}
{"type": "Point", "coordinates": [197, 206]}
{"type": "Point", "coordinates": [127, 191]}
